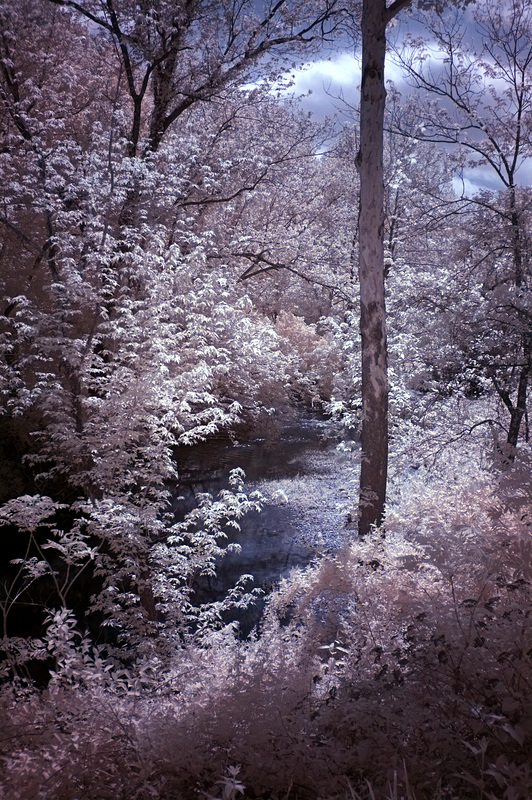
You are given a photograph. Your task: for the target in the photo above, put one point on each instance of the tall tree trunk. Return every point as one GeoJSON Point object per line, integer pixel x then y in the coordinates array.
{"type": "Point", "coordinates": [371, 270]}
{"type": "Point", "coordinates": [519, 410]}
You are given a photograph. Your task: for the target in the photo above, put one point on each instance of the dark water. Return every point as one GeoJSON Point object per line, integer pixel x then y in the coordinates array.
{"type": "Point", "coordinates": [206, 466]}
{"type": "Point", "coordinates": [269, 540]}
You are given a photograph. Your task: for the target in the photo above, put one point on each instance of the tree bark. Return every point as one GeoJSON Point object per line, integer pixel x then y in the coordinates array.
{"type": "Point", "coordinates": [374, 465]}
{"type": "Point", "coordinates": [519, 410]}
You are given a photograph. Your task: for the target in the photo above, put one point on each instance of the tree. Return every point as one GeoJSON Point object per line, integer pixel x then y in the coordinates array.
{"type": "Point", "coordinates": [188, 54]}
{"type": "Point", "coordinates": [376, 16]}
{"type": "Point", "coordinates": [173, 59]}
{"type": "Point", "coordinates": [374, 442]}
{"type": "Point", "coordinates": [121, 336]}
{"type": "Point", "coordinates": [479, 101]}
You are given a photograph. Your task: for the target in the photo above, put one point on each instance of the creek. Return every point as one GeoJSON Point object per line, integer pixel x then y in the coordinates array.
{"type": "Point", "coordinates": [305, 472]}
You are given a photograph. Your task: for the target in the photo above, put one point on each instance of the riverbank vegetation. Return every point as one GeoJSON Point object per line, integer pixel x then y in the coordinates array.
{"type": "Point", "coordinates": [179, 260]}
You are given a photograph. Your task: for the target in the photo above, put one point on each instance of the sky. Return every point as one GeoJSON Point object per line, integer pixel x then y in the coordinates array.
{"type": "Point", "coordinates": [333, 80]}
{"type": "Point", "coordinates": [331, 85]}
{"type": "Point", "coordinates": [337, 75]}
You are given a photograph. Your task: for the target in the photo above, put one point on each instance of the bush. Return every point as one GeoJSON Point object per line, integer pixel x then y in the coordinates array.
{"type": "Point", "coordinates": [376, 674]}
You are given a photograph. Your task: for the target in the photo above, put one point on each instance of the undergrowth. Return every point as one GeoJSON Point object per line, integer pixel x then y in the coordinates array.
{"type": "Point", "coordinates": [381, 673]}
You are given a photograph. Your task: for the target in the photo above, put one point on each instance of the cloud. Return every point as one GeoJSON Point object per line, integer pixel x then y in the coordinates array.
{"type": "Point", "coordinates": [325, 85]}
{"type": "Point", "coordinates": [319, 85]}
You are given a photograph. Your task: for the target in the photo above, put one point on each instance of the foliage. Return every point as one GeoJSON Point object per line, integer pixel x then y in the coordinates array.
{"type": "Point", "coordinates": [178, 261]}
{"type": "Point", "coordinates": [120, 340]}
{"type": "Point", "coordinates": [478, 100]}
{"type": "Point", "coordinates": [333, 691]}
